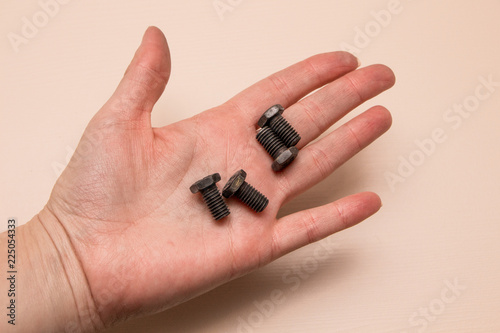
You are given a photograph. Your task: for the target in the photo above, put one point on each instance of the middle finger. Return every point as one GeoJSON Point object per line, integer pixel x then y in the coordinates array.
{"type": "Point", "coordinates": [314, 114]}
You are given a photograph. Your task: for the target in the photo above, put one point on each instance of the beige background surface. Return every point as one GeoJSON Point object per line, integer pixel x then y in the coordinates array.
{"type": "Point", "coordinates": [398, 271]}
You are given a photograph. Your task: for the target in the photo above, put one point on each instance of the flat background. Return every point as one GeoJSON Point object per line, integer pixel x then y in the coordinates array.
{"type": "Point", "coordinates": [439, 224]}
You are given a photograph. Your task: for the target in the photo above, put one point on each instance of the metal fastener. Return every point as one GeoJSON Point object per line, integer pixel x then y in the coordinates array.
{"type": "Point", "coordinates": [282, 155]}
{"type": "Point", "coordinates": [211, 195]}
{"type": "Point", "coordinates": [274, 119]}
{"type": "Point", "coordinates": [237, 186]}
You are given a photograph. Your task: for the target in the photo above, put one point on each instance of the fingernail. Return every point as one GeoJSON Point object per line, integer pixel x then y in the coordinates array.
{"type": "Point", "coordinates": [359, 61]}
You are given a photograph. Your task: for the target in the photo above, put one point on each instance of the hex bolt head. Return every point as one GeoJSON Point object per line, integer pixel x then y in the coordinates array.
{"type": "Point", "coordinates": [275, 110]}
{"type": "Point", "coordinates": [274, 119]}
{"type": "Point", "coordinates": [204, 183]}
{"type": "Point", "coordinates": [234, 183]}
{"type": "Point", "coordinates": [237, 186]}
{"type": "Point", "coordinates": [285, 158]}
{"type": "Point", "coordinates": [211, 195]}
{"type": "Point", "coordinates": [282, 155]}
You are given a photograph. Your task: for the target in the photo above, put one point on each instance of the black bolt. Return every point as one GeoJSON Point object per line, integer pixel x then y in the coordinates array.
{"type": "Point", "coordinates": [211, 195]}
{"type": "Point", "coordinates": [276, 148]}
{"type": "Point", "coordinates": [274, 119]}
{"type": "Point", "coordinates": [236, 185]}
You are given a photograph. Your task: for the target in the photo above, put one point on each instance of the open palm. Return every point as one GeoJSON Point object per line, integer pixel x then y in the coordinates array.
{"type": "Point", "coordinates": [144, 242]}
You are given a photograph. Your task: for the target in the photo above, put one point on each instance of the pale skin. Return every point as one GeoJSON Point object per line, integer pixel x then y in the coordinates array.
{"type": "Point", "coordinates": [122, 235]}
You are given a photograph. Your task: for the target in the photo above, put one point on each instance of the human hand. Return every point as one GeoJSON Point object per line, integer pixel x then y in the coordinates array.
{"type": "Point", "coordinates": [141, 242]}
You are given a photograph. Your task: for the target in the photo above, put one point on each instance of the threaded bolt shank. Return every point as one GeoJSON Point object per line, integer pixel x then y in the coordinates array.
{"type": "Point", "coordinates": [281, 154]}
{"type": "Point", "coordinates": [270, 141]}
{"type": "Point", "coordinates": [215, 203]}
{"type": "Point", "coordinates": [252, 198]}
{"type": "Point", "coordinates": [284, 130]}
{"type": "Point", "coordinates": [211, 195]}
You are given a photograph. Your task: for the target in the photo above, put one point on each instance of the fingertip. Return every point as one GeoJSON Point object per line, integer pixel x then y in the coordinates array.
{"type": "Point", "coordinates": [373, 200]}
{"type": "Point", "coordinates": [369, 200]}
{"type": "Point", "coordinates": [332, 61]}
{"type": "Point", "coordinates": [348, 59]}
{"type": "Point", "coordinates": [362, 205]}
{"type": "Point", "coordinates": [154, 53]}
{"type": "Point", "coordinates": [385, 74]}
{"type": "Point", "coordinates": [338, 58]}
{"type": "Point", "coordinates": [354, 209]}
{"type": "Point", "coordinates": [382, 117]}
{"type": "Point", "coordinates": [155, 35]}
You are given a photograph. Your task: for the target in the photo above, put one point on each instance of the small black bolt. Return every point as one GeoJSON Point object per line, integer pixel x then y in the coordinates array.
{"type": "Point", "coordinates": [211, 195]}
{"type": "Point", "coordinates": [274, 119]}
{"type": "Point", "coordinates": [276, 148]}
{"type": "Point", "coordinates": [236, 185]}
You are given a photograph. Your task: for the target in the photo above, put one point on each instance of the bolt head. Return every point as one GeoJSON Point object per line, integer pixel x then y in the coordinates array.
{"type": "Point", "coordinates": [285, 158]}
{"type": "Point", "coordinates": [269, 114]}
{"type": "Point", "coordinates": [204, 183]}
{"type": "Point", "coordinates": [234, 183]}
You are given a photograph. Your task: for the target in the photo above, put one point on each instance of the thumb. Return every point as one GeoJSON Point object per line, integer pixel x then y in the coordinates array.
{"type": "Point", "coordinates": [143, 81]}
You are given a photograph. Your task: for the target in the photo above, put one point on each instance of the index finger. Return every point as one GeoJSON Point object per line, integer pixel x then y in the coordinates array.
{"type": "Point", "coordinates": [292, 83]}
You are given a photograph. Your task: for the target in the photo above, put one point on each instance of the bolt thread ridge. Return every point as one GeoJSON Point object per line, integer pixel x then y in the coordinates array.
{"type": "Point", "coordinates": [252, 198]}
{"type": "Point", "coordinates": [285, 131]}
{"type": "Point", "coordinates": [271, 142]}
{"type": "Point", "coordinates": [215, 203]}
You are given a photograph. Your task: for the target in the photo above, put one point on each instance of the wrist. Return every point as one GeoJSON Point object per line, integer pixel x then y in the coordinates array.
{"type": "Point", "coordinates": [53, 293]}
